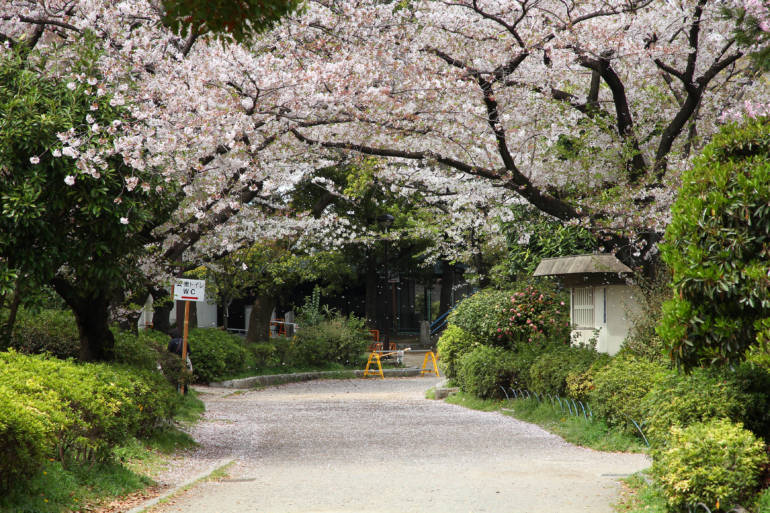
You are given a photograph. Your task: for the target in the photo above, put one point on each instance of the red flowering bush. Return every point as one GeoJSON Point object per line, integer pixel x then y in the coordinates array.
{"type": "Point", "coordinates": [533, 315]}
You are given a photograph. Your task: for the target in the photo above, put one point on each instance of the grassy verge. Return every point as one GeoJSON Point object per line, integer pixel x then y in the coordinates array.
{"type": "Point", "coordinates": [639, 496]}
{"type": "Point", "coordinates": [591, 433]}
{"type": "Point", "coordinates": [59, 488]}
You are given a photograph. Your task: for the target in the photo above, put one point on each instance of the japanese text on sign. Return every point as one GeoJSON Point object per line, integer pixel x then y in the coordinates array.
{"type": "Point", "coordinates": [189, 290]}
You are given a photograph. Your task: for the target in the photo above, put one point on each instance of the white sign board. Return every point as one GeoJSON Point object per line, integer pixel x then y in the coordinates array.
{"type": "Point", "coordinates": [189, 290]}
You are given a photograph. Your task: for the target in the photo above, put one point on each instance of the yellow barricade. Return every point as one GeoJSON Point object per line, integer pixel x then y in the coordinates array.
{"type": "Point", "coordinates": [434, 370]}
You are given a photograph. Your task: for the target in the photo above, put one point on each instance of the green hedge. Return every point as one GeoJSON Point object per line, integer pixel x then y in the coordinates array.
{"type": "Point", "coordinates": [484, 370]}
{"type": "Point", "coordinates": [47, 331]}
{"type": "Point", "coordinates": [341, 340]}
{"type": "Point", "coordinates": [54, 408]}
{"type": "Point", "coordinates": [216, 354]}
{"type": "Point", "coordinates": [620, 387]}
{"type": "Point", "coordinates": [717, 463]}
{"type": "Point", "coordinates": [548, 374]}
{"type": "Point", "coordinates": [681, 400]}
{"type": "Point", "coordinates": [454, 343]}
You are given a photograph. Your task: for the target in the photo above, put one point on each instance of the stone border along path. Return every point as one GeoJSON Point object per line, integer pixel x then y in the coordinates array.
{"type": "Point", "coordinates": [379, 446]}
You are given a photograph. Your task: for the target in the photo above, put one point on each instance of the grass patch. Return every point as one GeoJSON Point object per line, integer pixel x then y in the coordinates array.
{"type": "Point", "coordinates": [57, 488]}
{"type": "Point", "coordinates": [639, 496]}
{"type": "Point", "coordinates": [593, 433]}
{"type": "Point", "coordinates": [475, 403]}
{"type": "Point", "coordinates": [430, 393]}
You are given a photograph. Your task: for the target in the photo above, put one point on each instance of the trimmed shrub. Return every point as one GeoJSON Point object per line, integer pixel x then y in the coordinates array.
{"type": "Point", "coordinates": [265, 354]}
{"type": "Point", "coordinates": [484, 370]}
{"type": "Point", "coordinates": [621, 385]}
{"type": "Point", "coordinates": [477, 315]}
{"type": "Point", "coordinates": [142, 350]}
{"type": "Point", "coordinates": [717, 463]}
{"type": "Point", "coordinates": [580, 384]}
{"type": "Point", "coordinates": [716, 246]}
{"type": "Point", "coordinates": [28, 427]}
{"type": "Point", "coordinates": [48, 331]}
{"type": "Point", "coordinates": [340, 340]}
{"type": "Point", "coordinates": [215, 354]}
{"type": "Point", "coordinates": [84, 409]}
{"type": "Point", "coordinates": [548, 374]}
{"type": "Point", "coordinates": [454, 343]}
{"type": "Point", "coordinates": [681, 400]}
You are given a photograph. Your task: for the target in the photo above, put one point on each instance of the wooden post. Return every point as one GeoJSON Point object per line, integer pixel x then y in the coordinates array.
{"type": "Point", "coordinates": [184, 342]}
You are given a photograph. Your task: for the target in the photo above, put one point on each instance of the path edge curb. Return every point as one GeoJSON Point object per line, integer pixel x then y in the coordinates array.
{"type": "Point", "coordinates": [181, 487]}
{"type": "Point", "coordinates": [279, 379]}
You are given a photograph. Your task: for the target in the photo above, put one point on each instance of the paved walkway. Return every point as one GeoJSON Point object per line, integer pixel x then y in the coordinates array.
{"type": "Point", "coordinates": [378, 446]}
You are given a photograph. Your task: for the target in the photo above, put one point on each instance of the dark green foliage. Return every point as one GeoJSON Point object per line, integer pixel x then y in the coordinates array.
{"type": "Point", "coordinates": [716, 463]}
{"type": "Point", "coordinates": [476, 314]}
{"type": "Point", "coordinates": [484, 370]}
{"type": "Point", "coordinates": [47, 331]}
{"type": "Point", "coordinates": [51, 408]}
{"type": "Point", "coordinates": [143, 350]}
{"type": "Point", "coordinates": [548, 374]}
{"type": "Point", "coordinates": [718, 246]}
{"type": "Point", "coordinates": [454, 343]}
{"type": "Point", "coordinates": [265, 355]}
{"type": "Point", "coordinates": [215, 354]}
{"type": "Point", "coordinates": [341, 340]}
{"type": "Point", "coordinates": [620, 387]}
{"type": "Point", "coordinates": [224, 19]}
{"type": "Point", "coordinates": [681, 400]}
{"type": "Point", "coordinates": [545, 238]}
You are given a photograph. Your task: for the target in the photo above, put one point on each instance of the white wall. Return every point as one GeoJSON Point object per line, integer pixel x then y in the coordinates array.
{"type": "Point", "coordinates": [614, 307]}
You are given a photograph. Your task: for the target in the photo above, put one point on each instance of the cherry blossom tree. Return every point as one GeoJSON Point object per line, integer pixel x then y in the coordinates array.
{"type": "Point", "coordinates": [587, 111]}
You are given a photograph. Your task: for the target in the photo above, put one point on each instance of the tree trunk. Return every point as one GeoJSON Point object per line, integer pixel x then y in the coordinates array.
{"type": "Point", "coordinates": [91, 311]}
{"type": "Point", "coordinates": [259, 319]}
{"type": "Point", "coordinates": [13, 309]}
{"type": "Point", "coordinates": [161, 306]}
{"type": "Point", "coordinates": [447, 284]}
{"type": "Point", "coordinates": [371, 292]}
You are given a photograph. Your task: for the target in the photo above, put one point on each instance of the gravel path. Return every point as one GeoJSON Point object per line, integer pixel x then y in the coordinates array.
{"type": "Point", "coordinates": [379, 446]}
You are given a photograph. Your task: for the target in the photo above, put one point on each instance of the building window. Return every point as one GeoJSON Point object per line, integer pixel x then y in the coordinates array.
{"type": "Point", "coordinates": [583, 308]}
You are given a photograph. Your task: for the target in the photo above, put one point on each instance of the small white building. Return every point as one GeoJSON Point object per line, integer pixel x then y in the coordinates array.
{"type": "Point", "coordinates": [602, 303]}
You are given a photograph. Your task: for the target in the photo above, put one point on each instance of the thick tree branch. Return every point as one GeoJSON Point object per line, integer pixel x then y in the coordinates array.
{"type": "Point", "coordinates": [636, 167]}
{"type": "Point", "coordinates": [510, 179]}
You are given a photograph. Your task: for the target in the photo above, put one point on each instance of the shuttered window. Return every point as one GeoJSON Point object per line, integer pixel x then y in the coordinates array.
{"type": "Point", "coordinates": [583, 307]}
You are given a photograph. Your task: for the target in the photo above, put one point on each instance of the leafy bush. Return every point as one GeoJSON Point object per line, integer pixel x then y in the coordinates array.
{"type": "Point", "coordinates": [265, 354]}
{"type": "Point", "coordinates": [717, 463]}
{"type": "Point", "coordinates": [477, 314]}
{"type": "Point", "coordinates": [142, 350]}
{"type": "Point", "coordinates": [27, 433]}
{"type": "Point", "coordinates": [716, 246]}
{"type": "Point", "coordinates": [532, 315]}
{"type": "Point", "coordinates": [454, 343]}
{"type": "Point", "coordinates": [548, 374]}
{"type": "Point", "coordinates": [215, 354]}
{"type": "Point", "coordinates": [340, 340]}
{"type": "Point", "coordinates": [681, 400]}
{"type": "Point", "coordinates": [580, 384]}
{"type": "Point", "coordinates": [47, 331]}
{"type": "Point", "coordinates": [484, 370]}
{"type": "Point", "coordinates": [620, 387]}
{"type": "Point", "coordinates": [59, 408]}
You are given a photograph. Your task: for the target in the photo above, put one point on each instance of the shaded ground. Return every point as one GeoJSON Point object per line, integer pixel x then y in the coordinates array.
{"type": "Point", "coordinates": [379, 446]}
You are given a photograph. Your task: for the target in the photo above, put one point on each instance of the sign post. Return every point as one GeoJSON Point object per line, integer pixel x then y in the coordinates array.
{"type": "Point", "coordinates": [188, 291]}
